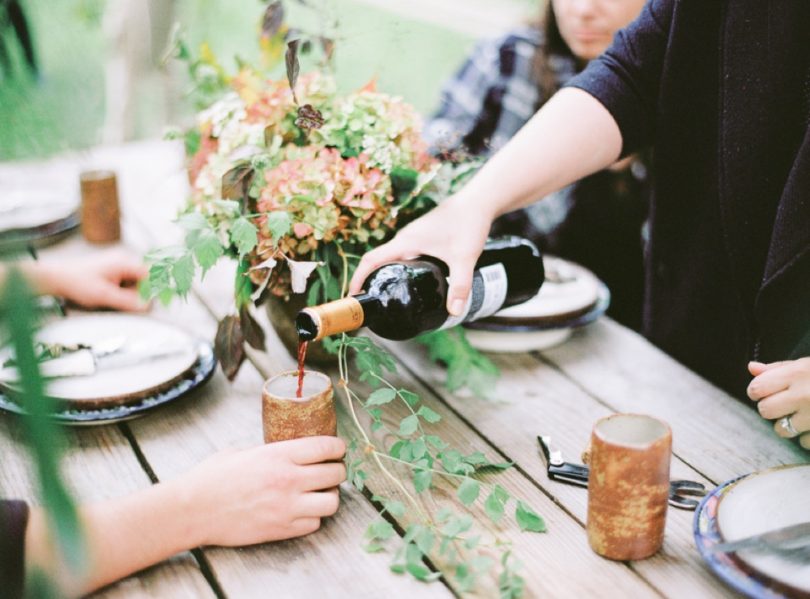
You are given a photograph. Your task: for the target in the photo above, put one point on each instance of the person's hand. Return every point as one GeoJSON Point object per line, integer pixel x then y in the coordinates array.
{"type": "Point", "coordinates": [95, 281]}
{"type": "Point", "coordinates": [267, 493]}
{"type": "Point", "coordinates": [455, 232]}
{"type": "Point", "coordinates": [783, 392]}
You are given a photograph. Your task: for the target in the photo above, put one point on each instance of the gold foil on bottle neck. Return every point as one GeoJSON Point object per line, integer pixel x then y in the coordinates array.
{"type": "Point", "coordinates": [335, 317]}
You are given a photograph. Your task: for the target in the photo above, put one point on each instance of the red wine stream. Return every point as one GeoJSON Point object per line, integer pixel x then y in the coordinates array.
{"type": "Point", "coordinates": [302, 354]}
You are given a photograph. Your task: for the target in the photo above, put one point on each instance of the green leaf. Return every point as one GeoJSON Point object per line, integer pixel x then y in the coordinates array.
{"type": "Point", "coordinates": [418, 448]}
{"type": "Point", "coordinates": [429, 415]}
{"type": "Point", "coordinates": [409, 425]}
{"type": "Point", "coordinates": [496, 502]}
{"type": "Point", "coordinates": [457, 525]}
{"type": "Point", "coordinates": [436, 442]}
{"type": "Point", "coordinates": [395, 508]}
{"type": "Point", "coordinates": [192, 221]}
{"type": "Point", "coordinates": [466, 366]}
{"type": "Point", "coordinates": [380, 530]}
{"type": "Point", "coordinates": [410, 397]}
{"type": "Point", "coordinates": [242, 285]}
{"type": "Point", "coordinates": [243, 235]}
{"type": "Point", "coordinates": [206, 247]}
{"type": "Point", "coordinates": [183, 274]}
{"type": "Point", "coordinates": [381, 396]}
{"type": "Point", "coordinates": [422, 480]}
{"type": "Point", "coordinates": [528, 519]}
{"type": "Point", "coordinates": [468, 491]}
{"type": "Point", "coordinates": [279, 224]}
{"type": "Point", "coordinates": [425, 539]}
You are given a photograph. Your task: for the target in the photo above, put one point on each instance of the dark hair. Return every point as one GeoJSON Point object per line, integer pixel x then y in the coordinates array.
{"type": "Point", "coordinates": [552, 44]}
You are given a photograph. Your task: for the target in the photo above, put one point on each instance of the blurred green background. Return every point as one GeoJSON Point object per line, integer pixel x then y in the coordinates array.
{"type": "Point", "coordinates": [409, 46]}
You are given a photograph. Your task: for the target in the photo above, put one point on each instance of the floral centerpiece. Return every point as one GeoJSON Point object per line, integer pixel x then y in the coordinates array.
{"type": "Point", "coordinates": [295, 181]}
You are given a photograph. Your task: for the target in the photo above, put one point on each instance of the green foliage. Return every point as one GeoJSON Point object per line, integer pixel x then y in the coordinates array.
{"type": "Point", "coordinates": [496, 502]}
{"type": "Point", "coordinates": [44, 438]}
{"type": "Point", "coordinates": [243, 236]}
{"type": "Point", "coordinates": [468, 491]}
{"type": "Point", "coordinates": [466, 366]}
{"type": "Point", "coordinates": [528, 519]}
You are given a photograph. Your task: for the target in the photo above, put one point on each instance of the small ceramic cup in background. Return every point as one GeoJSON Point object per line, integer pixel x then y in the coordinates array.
{"type": "Point", "coordinates": [628, 486]}
{"type": "Point", "coordinates": [100, 212]}
{"type": "Point", "coordinates": [285, 417]}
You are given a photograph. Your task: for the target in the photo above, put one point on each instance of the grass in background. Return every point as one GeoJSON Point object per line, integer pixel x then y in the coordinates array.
{"type": "Point", "coordinates": [64, 109]}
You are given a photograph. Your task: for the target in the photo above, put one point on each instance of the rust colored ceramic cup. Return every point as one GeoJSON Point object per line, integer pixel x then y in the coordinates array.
{"type": "Point", "coordinates": [100, 213]}
{"type": "Point", "coordinates": [286, 417]}
{"type": "Point", "coordinates": [628, 486]}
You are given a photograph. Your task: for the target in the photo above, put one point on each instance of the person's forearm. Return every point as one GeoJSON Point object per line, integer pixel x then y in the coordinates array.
{"type": "Point", "coordinates": [572, 136]}
{"type": "Point", "coordinates": [37, 274]}
{"type": "Point", "coordinates": [122, 536]}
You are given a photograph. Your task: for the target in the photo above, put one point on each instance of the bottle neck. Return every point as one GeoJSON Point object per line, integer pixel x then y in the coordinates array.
{"type": "Point", "coordinates": [339, 316]}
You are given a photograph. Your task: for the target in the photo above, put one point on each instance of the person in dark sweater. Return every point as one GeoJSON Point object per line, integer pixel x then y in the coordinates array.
{"type": "Point", "coordinates": [596, 222]}
{"type": "Point", "coordinates": [266, 493]}
{"type": "Point", "coordinates": [721, 92]}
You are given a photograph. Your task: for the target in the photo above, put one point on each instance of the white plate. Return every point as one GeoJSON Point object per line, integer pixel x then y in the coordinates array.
{"type": "Point", "coordinates": [118, 384]}
{"type": "Point", "coordinates": [765, 501]}
{"type": "Point", "coordinates": [575, 288]}
{"type": "Point", "coordinates": [30, 208]}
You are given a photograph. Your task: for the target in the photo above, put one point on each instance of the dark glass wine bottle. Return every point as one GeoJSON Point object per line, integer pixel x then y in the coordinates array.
{"type": "Point", "coordinates": [402, 299]}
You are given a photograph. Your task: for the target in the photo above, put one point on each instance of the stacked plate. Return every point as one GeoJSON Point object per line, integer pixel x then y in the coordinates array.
{"type": "Point", "coordinates": [36, 216]}
{"type": "Point", "coordinates": [571, 297]}
{"type": "Point", "coordinates": [111, 367]}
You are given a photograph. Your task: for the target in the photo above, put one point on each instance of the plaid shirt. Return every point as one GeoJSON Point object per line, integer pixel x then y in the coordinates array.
{"type": "Point", "coordinates": [489, 99]}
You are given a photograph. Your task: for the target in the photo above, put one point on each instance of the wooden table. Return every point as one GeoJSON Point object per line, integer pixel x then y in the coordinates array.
{"type": "Point", "coordinates": [604, 368]}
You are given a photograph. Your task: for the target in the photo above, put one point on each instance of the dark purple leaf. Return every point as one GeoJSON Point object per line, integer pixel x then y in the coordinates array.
{"type": "Point", "coordinates": [309, 118]}
{"type": "Point", "coordinates": [273, 18]}
{"type": "Point", "coordinates": [253, 332]}
{"type": "Point", "coordinates": [229, 345]}
{"type": "Point", "coordinates": [293, 67]}
{"type": "Point", "coordinates": [236, 182]}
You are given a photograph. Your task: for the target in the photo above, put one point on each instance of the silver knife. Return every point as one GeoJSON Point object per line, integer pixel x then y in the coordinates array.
{"type": "Point", "coordinates": [789, 538]}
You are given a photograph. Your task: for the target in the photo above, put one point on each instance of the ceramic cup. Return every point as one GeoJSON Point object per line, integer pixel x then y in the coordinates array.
{"type": "Point", "coordinates": [100, 213]}
{"type": "Point", "coordinates": [628, 487]}
{"type": "Point", "coordinates": [286, 417]}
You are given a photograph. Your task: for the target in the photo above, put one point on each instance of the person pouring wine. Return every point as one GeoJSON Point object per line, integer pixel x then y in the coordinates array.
{"type": "Point", "coordinates": [721, 98]}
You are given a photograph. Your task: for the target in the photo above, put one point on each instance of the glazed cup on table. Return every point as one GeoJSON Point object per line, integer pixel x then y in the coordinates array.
{"type": "Point", "coordinates": [286, 417]}
{"type": "Point", "coordinates": [628, 486]}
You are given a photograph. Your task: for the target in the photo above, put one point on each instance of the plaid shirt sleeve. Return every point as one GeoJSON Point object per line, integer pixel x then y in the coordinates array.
{"type": "Point", "coordinates": [462, 99]}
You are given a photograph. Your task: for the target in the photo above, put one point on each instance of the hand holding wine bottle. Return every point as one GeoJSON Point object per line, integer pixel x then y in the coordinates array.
{"type": "Point", "coordinates": [454, 232]}
{"type": "Point", "coordinates": [404, 298]}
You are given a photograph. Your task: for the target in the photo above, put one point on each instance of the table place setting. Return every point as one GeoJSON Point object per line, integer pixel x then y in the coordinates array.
{"type": "Point", "coordinates": [106, 367]}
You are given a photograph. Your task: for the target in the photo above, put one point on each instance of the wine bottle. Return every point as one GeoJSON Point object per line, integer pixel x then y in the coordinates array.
{"type": "Point", "coordinates": [402, 299]}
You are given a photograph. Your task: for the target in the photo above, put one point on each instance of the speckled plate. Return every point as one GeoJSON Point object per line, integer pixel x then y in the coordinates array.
{"type": "Point", "coordinates": [742, 507]}
{"type": "Point", "coordinates": [197, 375]}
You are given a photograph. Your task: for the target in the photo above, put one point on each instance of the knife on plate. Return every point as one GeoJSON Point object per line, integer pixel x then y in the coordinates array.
{"type": "Point", "coordinates": [789, 538]}
{"type": "Point", "coordinates": [87, 361]}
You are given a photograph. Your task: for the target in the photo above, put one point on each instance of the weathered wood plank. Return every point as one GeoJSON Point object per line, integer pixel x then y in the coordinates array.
{"type": "Point", "coordinates": [532, 398]}
{"type": "Point", "coordinates": [715, 433]}
{"type": "Point", "coordinates": [99, 464]}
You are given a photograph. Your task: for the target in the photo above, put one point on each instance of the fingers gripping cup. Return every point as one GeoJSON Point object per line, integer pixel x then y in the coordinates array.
{"type": "Point", "coordinates": [628, 487]}
{"type": "Point", "coordinates": [285, 416]}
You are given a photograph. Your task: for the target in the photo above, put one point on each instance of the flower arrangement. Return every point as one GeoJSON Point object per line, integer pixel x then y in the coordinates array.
{"type": "Point", "coordinates": [295, 181]}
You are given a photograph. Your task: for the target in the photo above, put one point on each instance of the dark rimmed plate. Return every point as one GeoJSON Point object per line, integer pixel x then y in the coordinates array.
{"type": "Point", "coordinates": [13, 240]}
{"type": "Point", "coordinates": [730, 567]}
{"type": "Point", "coordinates": [197, 375]}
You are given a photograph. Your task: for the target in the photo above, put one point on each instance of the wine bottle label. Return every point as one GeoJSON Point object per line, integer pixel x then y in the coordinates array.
{"type": "Point", "coordinates": [336, 317]}
{"type": "Point", "coordinates": [488, 293]}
